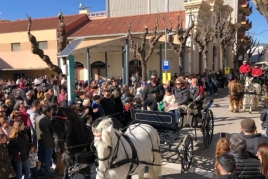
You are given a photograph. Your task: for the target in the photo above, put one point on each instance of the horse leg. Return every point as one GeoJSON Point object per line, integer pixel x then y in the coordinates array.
{"type": "Point", "coordinates": [244, 104]}
{"type": "Point", "coordinates": [236, 108]}
{"type": "Point", "coordinates": [241, 102]}
{"type": "Point", "coordinates": [231, 108]}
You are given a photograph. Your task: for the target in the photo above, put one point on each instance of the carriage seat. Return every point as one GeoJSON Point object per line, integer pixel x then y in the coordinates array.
{"type": "Point", "coordinates": [157, 119]}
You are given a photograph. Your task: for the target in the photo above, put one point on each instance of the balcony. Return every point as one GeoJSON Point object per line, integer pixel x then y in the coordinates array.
{"type": "Point", "coordinates": [244, 7]}
{"type": "Point", "coordinates": [245, 24]}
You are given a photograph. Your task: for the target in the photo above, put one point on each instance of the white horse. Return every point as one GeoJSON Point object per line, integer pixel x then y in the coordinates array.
{"type": "Point", "coordinates": [140, 143]}
{"type": "Point", "coordinates": [252, 94]}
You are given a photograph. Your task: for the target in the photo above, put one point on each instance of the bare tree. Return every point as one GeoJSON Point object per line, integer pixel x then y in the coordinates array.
{"type": "Point", "coordinates": [36, 50]}
{"type": "Point", "coordinates": [140, 50]}
{"type": "Point", "coordinates": [261, 53]}
{"type": "Point", "coordinates": [240, 49]}
{"type": "Point", "coordinates": [262, 6]}
{"type": "Point", "coordinates": [62, 35]}
{"type": "Point", "coordinates": [225, 31]}
{"type": "Point", "coordinates": [203, 44]}
{"type": "Point", "coordinates": [251, 50]}
{"type": "Point", "coordinates": [182, 36]}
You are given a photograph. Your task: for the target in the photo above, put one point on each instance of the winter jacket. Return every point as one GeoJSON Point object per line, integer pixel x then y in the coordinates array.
{"type": "Point", "coordinates": [264, 118]}
{"type": "Point", "coordinates": [109, 106]}
{"type": "Point", "coordinates": [182, 96]}
{"type": "Point", "coordinates": [99, 113]}
{"type": "Point", "coordinates": [244, 69]}
{"type": "Point", "coordinates": [6, 169]}
{"type": "Point", "coordinates": [256, 72]}
{"type": "Point", "coordinates": [158, 90]}
{"type": "Point", "coordinates": [253, 141]}
{"type": "Point", "coordinates": [19, 144]}
{"type": "Point", "coordinates": [247, 167]}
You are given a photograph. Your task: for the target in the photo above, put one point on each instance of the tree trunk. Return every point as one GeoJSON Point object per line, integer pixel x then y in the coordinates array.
{"type": "Point", "coordinates": [144, 70]}
{"type": "Point", "coordinates": [181, 72]}
{"type": "Point", "coordinates": [221, 57]}
{"type": "Point", "coordinates": [204, 54]}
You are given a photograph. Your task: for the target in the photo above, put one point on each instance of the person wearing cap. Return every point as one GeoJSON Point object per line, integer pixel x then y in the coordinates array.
{"type": "Point", "coordinates": [256, 71]}
{"type": "Point", "coordinates": [244, 70]}
{"type": "Point", "coordinates": [249, 133]}
{"type": "Point", "coordinates": [246, 167]}
{"type": "Point", "coordinates": [226, 166]}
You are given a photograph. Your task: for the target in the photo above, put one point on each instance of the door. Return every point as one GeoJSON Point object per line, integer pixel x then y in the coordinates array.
{"type": "Point", "coordinates": [98, 69]}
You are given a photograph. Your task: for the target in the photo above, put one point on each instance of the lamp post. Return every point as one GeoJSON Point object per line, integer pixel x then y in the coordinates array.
{"type": "Point", "coordinates": [171, 33]}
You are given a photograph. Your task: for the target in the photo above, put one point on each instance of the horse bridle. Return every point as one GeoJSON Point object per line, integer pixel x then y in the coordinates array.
{"type": "Point", "coordinates": [112, 155]}
{"type": "Point", "coordinates": [64, 120]}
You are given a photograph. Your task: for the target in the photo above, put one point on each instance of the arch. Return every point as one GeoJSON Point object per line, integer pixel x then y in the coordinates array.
{"type": "Point", "coordinates": [98, 69]}
{"type": "Point", "coordinates": [134, 66]}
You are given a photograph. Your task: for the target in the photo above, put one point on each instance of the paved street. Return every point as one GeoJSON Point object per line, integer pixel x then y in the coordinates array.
{"type": "Point", "coordinates": [225, 121]}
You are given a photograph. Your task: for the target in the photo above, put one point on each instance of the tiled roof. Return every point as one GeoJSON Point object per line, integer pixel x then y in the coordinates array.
{"type": "Point", "coordinates": [119, 25]}
{"type": "Point", "coordinates": [39, 24]}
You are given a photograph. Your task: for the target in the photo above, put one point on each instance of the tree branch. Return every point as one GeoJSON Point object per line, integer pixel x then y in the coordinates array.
{"type": "Point", "coordinates": [62, 36]}
{"type": "Point", "coordinates": [40, 52]}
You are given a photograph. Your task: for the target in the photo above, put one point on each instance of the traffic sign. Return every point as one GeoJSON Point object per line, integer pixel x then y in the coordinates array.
{"type": "Point", "coordinates": [166, 65]}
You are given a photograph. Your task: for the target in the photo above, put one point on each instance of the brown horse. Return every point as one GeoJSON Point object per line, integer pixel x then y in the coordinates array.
{"type": "Point", "coordinates": [236, 91]}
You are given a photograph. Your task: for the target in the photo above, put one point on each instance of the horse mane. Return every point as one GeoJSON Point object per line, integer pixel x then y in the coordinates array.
{"type": "Point", "coordinates": [116, 124]}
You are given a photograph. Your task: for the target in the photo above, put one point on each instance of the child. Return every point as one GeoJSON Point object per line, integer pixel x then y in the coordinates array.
{"type": "Point", "coordinates": [33, 160]}
{"type": "Point", "coordinates": [97, 108]}
{"type": "Point", "coordinates": [168, 101]}
{"type": "Point", "coordinates": [6, 169]}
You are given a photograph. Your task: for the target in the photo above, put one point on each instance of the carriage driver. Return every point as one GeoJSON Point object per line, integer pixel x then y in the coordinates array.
{"type": "Point", "coordinates": [244, 70]}
{"type": "Point", "coordinates": [256, 72]}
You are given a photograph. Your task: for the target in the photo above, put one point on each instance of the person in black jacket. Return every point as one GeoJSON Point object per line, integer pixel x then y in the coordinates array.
{"type": "Point", "coordinates": [264, 117]}
{"type": "Point", "coordinates": [108, 104]}
{"type": "Point", "coordinates": [19, 150]}
{"type": "Point", "coordinates": [246, 167]}
{"type": "Point", "coordinates": [226, 166]}
{"type": "Point", "coordinates": [249, 132]}
{"type": "Point", "coordinates": [153, 94]}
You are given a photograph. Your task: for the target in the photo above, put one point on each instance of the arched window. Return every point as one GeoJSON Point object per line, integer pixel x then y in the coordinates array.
{"type": "Point", "coordinates": [134, 66]}
{"type": "Point", "coordinates": [98, 69]}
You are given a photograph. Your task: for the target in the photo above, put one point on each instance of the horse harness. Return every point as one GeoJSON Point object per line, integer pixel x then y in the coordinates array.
{"type": "Point", "coordinates": [134, 160]}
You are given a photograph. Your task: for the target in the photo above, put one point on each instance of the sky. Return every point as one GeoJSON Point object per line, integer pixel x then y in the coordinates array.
{"type": "Point", "coordinates": [17, 9]}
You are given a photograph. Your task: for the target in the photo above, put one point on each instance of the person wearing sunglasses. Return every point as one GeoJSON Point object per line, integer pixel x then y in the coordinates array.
{"type": "Point", "coordinates": [153, 94]}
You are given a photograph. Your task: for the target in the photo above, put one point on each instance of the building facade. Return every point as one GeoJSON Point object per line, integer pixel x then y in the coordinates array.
{"type": "Point", "coordinates": [103, 53]}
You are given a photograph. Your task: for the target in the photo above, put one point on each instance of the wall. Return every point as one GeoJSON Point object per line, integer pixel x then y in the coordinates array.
{"type": "Point", "coordinates": [24, 59]}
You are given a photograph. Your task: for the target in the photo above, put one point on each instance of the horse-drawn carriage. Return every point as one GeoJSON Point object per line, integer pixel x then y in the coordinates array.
{"type": "Point", "coordinates": [78, 141]}
{"type": "Point", "coordinates": [197, 117]}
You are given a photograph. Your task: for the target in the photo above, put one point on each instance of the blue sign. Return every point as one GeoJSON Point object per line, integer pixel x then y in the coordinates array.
{"type": "Point", "coordinates": [166, 65]}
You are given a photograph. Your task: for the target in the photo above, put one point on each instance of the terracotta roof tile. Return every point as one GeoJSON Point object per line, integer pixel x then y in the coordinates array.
{"type": "Point", "coordinates": [119, 25]}
{"type": "Point", "coordinates": [38, 24]}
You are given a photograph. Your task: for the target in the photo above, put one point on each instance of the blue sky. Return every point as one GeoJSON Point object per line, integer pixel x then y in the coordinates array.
{"type": "Point", "coordinates": [17, 9]}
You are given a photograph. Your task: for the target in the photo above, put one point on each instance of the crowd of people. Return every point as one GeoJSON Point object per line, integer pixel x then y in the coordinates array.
{"type": "Point", "coordinates": [27, 107]}
{"type": "Point", "coordinates": [244, 155]}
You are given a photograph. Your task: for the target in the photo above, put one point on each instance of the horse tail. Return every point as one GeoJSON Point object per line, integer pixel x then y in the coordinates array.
{"type": "Point", "coordinates": [155, 170]}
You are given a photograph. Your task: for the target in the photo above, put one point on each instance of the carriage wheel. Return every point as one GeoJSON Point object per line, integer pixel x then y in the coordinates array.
{"type": "Point", "coordinates": [187, 154]}
{"type": "Point", "coordinates": [207, 128]}
{"type": "Point", "coordinates": [195, 126]}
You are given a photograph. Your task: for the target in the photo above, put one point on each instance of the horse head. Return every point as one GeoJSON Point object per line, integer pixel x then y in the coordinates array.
{"type": "Point", "coordinates": [231, 87]}
{"type": "Point", "coordinates": [60, 128]}
{"type": "Point", "coordinates": [248, 83]}
{"type": "Point", "coordinates": [103, 143]}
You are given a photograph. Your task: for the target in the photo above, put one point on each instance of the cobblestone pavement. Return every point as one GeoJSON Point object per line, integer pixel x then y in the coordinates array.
{"type": "Point", "coordinates": [202, 167]}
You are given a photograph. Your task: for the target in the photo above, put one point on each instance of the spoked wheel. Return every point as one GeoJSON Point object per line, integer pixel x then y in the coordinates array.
{"type": "Point", "coordinates": [208, 128]}
{"type": "Point", "coordinates": [194, 125]}
{"type": "Point", "coordinates": [187, 153]}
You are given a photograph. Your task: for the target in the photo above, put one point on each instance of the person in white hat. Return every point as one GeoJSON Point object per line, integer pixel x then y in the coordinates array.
{"type": "Point", "coordinates": [244, 70]}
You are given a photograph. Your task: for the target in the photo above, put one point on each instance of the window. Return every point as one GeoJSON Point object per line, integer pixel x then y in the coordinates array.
{"type": "Point", "coordinates": [42, 45]}
{"type": "Point", "coordinates": [15, 47]}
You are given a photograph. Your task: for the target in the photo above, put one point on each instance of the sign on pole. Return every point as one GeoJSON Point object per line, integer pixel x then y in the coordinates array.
{"type": "Point", "coordinates": [166, 65]}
